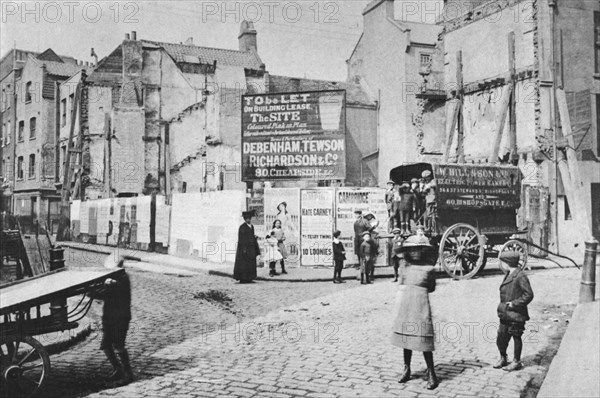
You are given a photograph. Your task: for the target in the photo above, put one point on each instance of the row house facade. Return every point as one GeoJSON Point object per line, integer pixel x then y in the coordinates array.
{"type": "Point", "coordinates": [28, 159]}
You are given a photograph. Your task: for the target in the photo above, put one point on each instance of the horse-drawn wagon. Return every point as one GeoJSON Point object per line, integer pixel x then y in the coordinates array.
{"type": "Point", "coordinates": [474, 216]}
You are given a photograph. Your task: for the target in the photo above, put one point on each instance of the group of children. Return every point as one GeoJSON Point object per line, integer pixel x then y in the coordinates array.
{"type": "Point", "coordinates": [410, 201]}
{"type": "Point", "coordinates": [367, 255]}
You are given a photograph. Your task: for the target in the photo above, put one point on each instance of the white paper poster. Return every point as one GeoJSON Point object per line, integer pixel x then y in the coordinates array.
{"type": "Point", "coordinates": [348, 200]}
{"type": "Point", "coordinates": [317, 223]}
{"type": "Point", "coordinates": [283, 204]}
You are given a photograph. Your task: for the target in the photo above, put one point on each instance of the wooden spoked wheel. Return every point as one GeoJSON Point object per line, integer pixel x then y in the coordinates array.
{"type": "Point", "coordinates": [25, 366]}
{"type": "Point", "coordinates": [462, 251]}
{"type": "Point", "coordinates": [515, 246]}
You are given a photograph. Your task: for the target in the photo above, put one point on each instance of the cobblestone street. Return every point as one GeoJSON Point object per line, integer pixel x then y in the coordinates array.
{"type": "Point", "coordinates": [312, 339]}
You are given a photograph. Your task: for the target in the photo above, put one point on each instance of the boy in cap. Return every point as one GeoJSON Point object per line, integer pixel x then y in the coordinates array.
{"type": "Point", "coordinates": [417, 198]}
{"type": "Point", "coordinates": [406, 207]}
{"type": "Point", "coordinates": [366, 258]}
{"type": "Point", "coordinates": [116, 315]}
{"type": "Point", "coordinates": [515, 294]}
{"type": "Point", "coordinates": [339, 255]}
{"type": "Point", "coordinates": [428, 189]}
{"type": "Point", "coordinates": [396, 251]}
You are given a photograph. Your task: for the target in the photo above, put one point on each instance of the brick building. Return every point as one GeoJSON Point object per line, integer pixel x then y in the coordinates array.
{"type": "Point", "coordinates": [33, 136]}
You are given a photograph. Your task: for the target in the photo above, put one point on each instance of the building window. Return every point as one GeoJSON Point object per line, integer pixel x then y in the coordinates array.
{"type": "Point", "coordinates": [32, 127]}
{"type": "Point", "coordinates": [63, 120]}
{"type": "Point", "coordinates": [71, 104]}
{"type": "Point", "coordinates": [568, 215]}
{"type": "Point", "coordinates": [21, 128]}
{"type": "Point", "coordinates": [425, 60]}
{"type": "Point", "coordinates": [598, 124]}
{"type": "Point", "coordinates": [28, 92]}
{"type": "Point", "coordinates": [597, 39]}
{"type": "Point", "coordinates": [2, 137]}
{"type": "Point", "coordinates": [8, 133]}
{"type": "Point", "coordinates": [31, 166]}
{"type": "Point", "coordinates": [20, 168]}
{"type": "Point", "coordinates": [4, 100]}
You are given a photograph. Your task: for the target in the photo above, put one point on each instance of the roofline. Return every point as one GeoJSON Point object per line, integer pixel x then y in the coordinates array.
{"type": "Point", "coordinates": [356, 45]}
{"type": "Point", "coordinates": [372, 6]}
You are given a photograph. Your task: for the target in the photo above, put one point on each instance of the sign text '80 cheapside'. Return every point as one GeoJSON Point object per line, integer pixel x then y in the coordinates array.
{"type": "Point", "coordinates": [294, 136]}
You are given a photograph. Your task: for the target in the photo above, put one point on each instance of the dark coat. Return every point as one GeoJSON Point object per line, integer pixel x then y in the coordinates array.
{"type": "Point", "coordinates": [361, 225]}
{"type": "Point", "coordinates": [338, 251]}
{"type": "Point", "coordinates": [515, 288]}
{"type": "Point", "coordinates": [117, 300]}
{"type": "Point", "coordinates": [245, 255]}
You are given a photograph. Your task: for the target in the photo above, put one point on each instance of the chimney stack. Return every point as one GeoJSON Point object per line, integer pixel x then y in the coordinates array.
{"type": "Point", "coordinates": [127, 36]}
{"type": "Point", "coordinates": [247, 37]}
{"type": "Point", "coordinates": [93, 54]}
{"type": "Point", "coordinates": [133, 35]}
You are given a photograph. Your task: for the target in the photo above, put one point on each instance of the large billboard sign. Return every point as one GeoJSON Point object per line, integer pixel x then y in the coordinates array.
{"type": "Point", "coordinates": [294, 136]}
{"type": "Point", "coordinates": [473, 186]}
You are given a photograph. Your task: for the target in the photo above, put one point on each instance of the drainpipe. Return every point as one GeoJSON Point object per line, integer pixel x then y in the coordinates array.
{"type": "Point", "coordinates": [13, 133]}
{"type": "Point", "coordinates": [552, 5]}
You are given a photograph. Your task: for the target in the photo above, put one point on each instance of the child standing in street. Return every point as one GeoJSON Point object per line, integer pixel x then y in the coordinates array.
{"type": "Point", "coordinates": [397, 255]}
{"type": "Point", "coordinates": [339, 255]}
{"type": "Point", "coordinates": [515, 294]}
{"type": "Point", "coordinates": [272, 254]}
{"type": "Point", "coordinates": [366, 258]}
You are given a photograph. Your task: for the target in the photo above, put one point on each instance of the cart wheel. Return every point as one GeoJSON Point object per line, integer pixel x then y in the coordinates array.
{"type": "Point", "coordinates": [25, 366]}
{"type": "Point", "coordinates": [516, 246]}
{"type": "Point", "coordinates": [462, 251]}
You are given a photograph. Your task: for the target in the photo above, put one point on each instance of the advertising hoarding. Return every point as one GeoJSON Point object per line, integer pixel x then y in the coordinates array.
{"type": "Point", "coordinates": [294, 136]}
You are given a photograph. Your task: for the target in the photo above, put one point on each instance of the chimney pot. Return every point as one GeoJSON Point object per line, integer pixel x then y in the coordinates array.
{"type": "Point", "coordinates": [133, 35]}
{"type": "Point", "coordinates": [126, 36]}
{"type": "Point", "coordinates": [247, 36]}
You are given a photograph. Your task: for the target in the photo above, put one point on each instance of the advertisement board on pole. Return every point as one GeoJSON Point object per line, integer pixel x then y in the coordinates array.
{"type": "Point", "coordinates": [294, 136]}
{"type": "Point", "coordinates": [317, 224]}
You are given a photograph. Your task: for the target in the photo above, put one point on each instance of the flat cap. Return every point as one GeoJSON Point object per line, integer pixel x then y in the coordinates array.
{"type": "Point", "coordinates": [414, 180]}
{"type": "Point", "coordinates": [396, 230]}
{"type": "Point", "coordinates": [510, 257]}
{"type": "Point", "coordinates": [365, 233]}
{"type": "Point", "coordinates": [426, 174]}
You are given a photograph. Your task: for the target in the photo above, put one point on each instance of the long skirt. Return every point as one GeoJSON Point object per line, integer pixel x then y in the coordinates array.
{"type": "Point", "coordinates": [413, 326]}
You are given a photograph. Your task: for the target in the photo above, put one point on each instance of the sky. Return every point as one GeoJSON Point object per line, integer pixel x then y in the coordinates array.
{"type": "Point", "coordinates": [303, 38]}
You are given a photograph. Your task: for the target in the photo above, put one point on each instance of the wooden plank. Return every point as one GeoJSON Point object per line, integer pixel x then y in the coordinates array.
{"type": "Point", "coordinates": [575, 190]}
{"type": "Point", "coordinates": [450, 130]}
{"type": "Point", "coordinates": [33, 254]}
{"type": "Point", "coordinates": [500, 125]}
{"type": "Point", "coordinates": [41, 290]}
{"type": "Point", "coordinates": [461, 120]}
{"type": "Point", "coordinates": [512, 130]}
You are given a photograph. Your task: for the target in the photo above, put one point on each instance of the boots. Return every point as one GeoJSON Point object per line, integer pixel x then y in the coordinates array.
{"type": "Point", "coordinates": [405, 375]}
{"type": "Point", "coordinates": [502, 362]}
{"type": "Point", "coordinates": [432, 381]}
{"type": "Point", "coordinates": [117, 373]}
{"type": "Point", "coordinates": [362, 278]}
{"type": "Point", "coordinates": [127, 371]}
{"type": "Point", "coordinates": [283, 271]}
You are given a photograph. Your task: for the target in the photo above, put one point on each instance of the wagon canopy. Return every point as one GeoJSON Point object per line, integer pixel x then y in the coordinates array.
{"type": "Point", "coordinates": [468, 186]}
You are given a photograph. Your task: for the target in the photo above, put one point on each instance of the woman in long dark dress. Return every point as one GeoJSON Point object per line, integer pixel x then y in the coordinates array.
{"type": "Point", "coordinates": [413, 326]}
{"type": "Point", "coordinates": [244, 269]}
